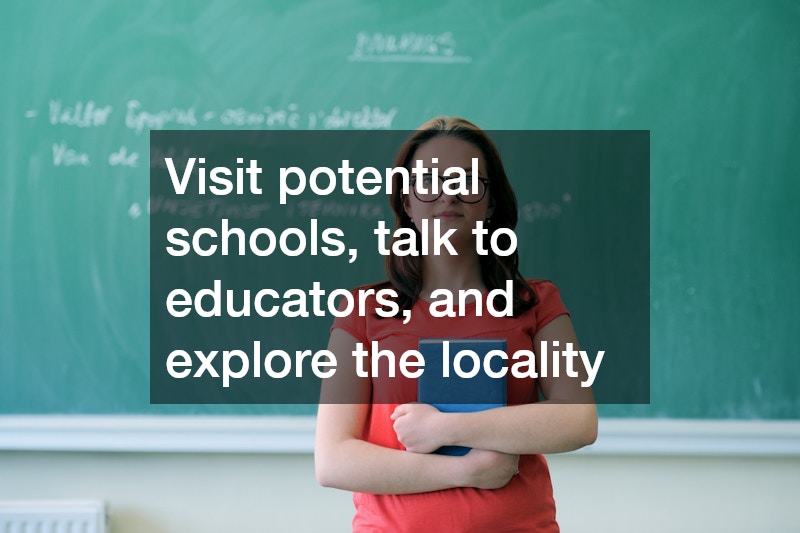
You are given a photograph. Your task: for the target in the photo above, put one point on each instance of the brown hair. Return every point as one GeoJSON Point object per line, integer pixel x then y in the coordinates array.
{"type": "Point", "coordinates": [405, 272]}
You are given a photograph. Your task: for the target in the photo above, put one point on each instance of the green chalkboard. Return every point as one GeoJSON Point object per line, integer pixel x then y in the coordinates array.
{"type": "Point", "coordinates": [714, 83]}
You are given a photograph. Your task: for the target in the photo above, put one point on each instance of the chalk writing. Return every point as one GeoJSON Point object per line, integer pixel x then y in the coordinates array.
{"type": "Point", "coordinates": [221, 208]}
{"type": "Point", "coordinates": [269, 117]}
{"type": "Point", "coordinates": [64, 156]}
{"type": "Point", "coordinates": [129, 151]}
{"type": "Point", "coordinates": [135, 210]}
{"type": "Point", "coordinates": [367, 118]}
{"type": "Point", "coordinates": [407, 48]}
{"type": "Point", "coordinates": [122, 158]}
{"type": "Point", "coordinates": [533, 211]}
{"type": "Point", "coordinates": [81, 115]}
{"type": "Point", "coordinates": [200, 208]}
{"type": "Point", "coordinates": [331, 208]}
{"type": "Point", "coordinates": [139, 120]}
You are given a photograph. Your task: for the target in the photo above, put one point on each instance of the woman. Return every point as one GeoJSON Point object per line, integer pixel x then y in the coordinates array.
{"type": "Point", "coordinates": [378, 445]}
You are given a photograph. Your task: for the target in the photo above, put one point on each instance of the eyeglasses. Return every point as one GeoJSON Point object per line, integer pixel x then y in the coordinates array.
{"type": "Point", "coordinates": [427, 197]}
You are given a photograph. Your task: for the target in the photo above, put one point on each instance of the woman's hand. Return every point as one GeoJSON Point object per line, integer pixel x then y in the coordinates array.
{"type": "Point", "coordinates": [490, 470]}
{"type": "Point", "coordinates": [418, 427]}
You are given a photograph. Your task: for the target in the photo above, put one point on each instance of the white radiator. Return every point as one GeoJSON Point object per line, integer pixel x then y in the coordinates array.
{"type": "Point", "coordinates": [52, 517]}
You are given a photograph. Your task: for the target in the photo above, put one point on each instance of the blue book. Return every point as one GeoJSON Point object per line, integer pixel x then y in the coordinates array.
{"type": "Point", "coordinates": [456, 394]}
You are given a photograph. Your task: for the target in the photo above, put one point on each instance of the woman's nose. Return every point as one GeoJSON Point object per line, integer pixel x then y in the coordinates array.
{"type": "Point", "coordinates": [449, 198]}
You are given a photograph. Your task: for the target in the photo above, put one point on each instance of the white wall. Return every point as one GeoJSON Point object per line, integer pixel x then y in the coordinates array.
{"type": "Point", "coordinates": [222, 492]}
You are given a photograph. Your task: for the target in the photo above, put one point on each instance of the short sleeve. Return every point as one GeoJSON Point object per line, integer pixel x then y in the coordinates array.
{"type": "Point", "coordinates": [354, 324]}
{"type": "Point", "coordinates": [550, 305]}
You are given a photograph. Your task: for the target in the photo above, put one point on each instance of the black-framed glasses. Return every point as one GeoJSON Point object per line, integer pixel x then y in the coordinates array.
{"type": "Point", "coordinates": [428, 196]}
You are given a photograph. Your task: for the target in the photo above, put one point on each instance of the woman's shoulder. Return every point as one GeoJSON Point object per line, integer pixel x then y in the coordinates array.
{"type": "Point", "coordinates": [541, 285]}
{"type": "Point", "coordinates": [544, 289]}
{"type": "Point", "coordinates": [549, 303]}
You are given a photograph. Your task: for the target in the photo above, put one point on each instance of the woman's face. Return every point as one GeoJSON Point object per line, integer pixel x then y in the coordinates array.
{"type": "Point", "coordinates": [449, 209]}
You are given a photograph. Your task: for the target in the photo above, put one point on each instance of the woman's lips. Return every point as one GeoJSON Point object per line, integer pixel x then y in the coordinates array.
{"type": "Point", "coordinates": [448, 214]}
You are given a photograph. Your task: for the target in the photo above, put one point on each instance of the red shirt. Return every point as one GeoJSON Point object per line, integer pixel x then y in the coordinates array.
{"type": "Point", "coordinates": [526, 502]}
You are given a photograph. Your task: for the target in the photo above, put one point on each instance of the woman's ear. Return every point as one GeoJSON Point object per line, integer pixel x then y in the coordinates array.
{"type": "Point", "coordinates": [490, 209]}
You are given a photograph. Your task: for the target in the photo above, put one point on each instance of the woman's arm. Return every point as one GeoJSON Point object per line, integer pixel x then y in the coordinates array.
{"type": "Point", "coordinates": [344, 460]}
{"type": "Point", "coordinates": [565, 422]}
